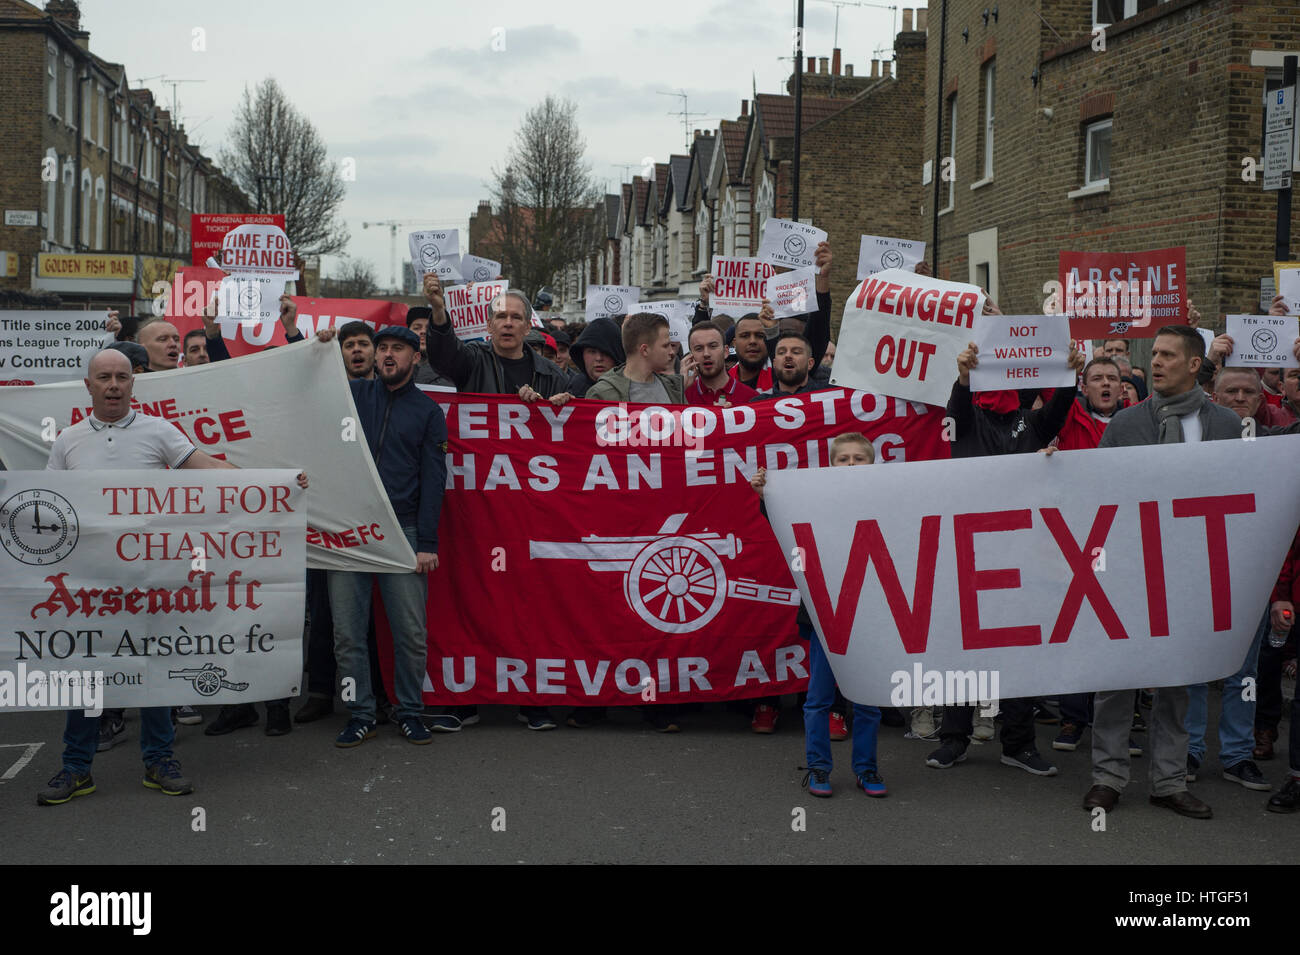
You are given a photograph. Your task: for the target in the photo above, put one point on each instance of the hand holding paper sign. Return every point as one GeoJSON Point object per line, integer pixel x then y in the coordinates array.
{"type": "Point", "coordinates": [289, 315]}
{"type": "Point", "coordinates": [1278, 306]}
{"type": "Point", "coordinates": [966, 361]}
{"type": "Point", "coordinates": [822, 263]}
{"type": "Point", "coordinates": [433, 295]}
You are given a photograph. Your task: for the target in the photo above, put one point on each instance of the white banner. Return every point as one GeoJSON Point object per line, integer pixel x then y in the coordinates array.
{"type": "Point", "coordinates": [288, 407]}
{"type": "Point", "coordinates": [1288, 286]}
{"type": "Point", "coordinates": [1022, 351]}
{"type": "Point", "coordinates": [791, 244]}
{"type": "Point", "coordinates": [879, 252]}
{"type": "Point", "coordinates": [792, 293]}
{"type": "Point", "coordinates": [436, 251]}
{"type": "Point", "coordinates": [476, 269]}
{"type": "Point", "coordinates": [902, 333]}
{"type": "Point", "coordinates": [155, 588]}
{"type": "Point", "coordinates": [607, 301]}
{"type": "Point", "coordinates": [469, 308]}
{"type": "Point", "coordinates": [1262, 341]}
{"type": "Point", "coordinates": [37, 348]}
{"type": "Point", "coordinates": [1042, 573]}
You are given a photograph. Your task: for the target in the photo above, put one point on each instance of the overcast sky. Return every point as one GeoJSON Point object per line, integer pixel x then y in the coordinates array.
{"type": "Point", "coordinates": [416, 95]}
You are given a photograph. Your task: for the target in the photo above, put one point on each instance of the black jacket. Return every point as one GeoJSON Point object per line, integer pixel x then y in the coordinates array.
{"type": "Point", "coordinates": [474, 366]}
{"type": "Point", "coordinates": [407, 436]}
{"type": "Point", "coordinates": [981, 432]}
{"type": "Point", "coordinates": [602, 334]}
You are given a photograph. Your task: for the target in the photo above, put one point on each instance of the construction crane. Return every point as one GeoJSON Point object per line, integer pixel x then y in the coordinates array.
{"type": "Point", "coordinates": [393, 225]}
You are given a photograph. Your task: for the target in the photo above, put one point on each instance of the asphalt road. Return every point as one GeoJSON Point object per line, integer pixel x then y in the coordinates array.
{"type": "Point", "coordinates": [617, 792]}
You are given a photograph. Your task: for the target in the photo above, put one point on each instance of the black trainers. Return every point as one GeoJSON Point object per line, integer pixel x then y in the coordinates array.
{"type": "Point", "coordinates": [315, 708]}
{"type": "Point", "coordinates": [1248, 774]}
{"type": "Point", "coordinates": [65, 786]}
{"type": "Point", "coordinates": [413, 728]}
{"type": "Point", "coordinates": [277, 719]}
{"type": "Point", "coordinates": [947, 755]}
{"type": "Point", "coordinates": [166, 776]}
{"type": "Point", "coordinates": [1030, 761]}
{"type": "Point", "coordinates": [1193, 764]}
{"type": "Point", "coordinates": [111, 730]}
{"type": "Point", "coordinates": [231, 718]}
{"type": "Point", "coordinates": [355, 733]}
{"type": "Point", "coordinates": [1288, 799]}
{"type": "Point", "coordinates": [536, 717]}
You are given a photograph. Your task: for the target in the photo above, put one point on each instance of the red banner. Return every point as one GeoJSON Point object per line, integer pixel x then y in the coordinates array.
{"type": "Point", "coordinates": [192, 287]}
{"type": "Point", "coordinates": [606, 554]}
{"type": "Point", "coordinates": [207, 231]}
{"type": "Point", "coordinates": [1124, 294]}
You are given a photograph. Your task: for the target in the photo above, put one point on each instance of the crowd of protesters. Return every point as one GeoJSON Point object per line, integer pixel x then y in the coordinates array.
{"type": "Point", "coordinates": [1185, 395]}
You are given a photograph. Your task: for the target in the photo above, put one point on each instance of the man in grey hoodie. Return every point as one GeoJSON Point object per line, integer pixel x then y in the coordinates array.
{"type": "Point", "coordinates": [1179, 411]}
{"type": "Point", "coordinates": [644, 376]}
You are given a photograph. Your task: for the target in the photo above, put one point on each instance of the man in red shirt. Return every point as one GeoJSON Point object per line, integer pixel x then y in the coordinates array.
{"type": "Point", "coordinates": [707, 355]}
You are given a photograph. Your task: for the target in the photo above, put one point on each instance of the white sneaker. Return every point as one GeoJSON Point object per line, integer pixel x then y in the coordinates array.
{"type": "Point", "coordinates": [923, 726]}
{"type": "Point", "coordinates": [983, 728]}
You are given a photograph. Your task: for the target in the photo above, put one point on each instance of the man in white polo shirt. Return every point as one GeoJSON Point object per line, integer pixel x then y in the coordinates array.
{"type": "Point", "coordinates": [115, 437]}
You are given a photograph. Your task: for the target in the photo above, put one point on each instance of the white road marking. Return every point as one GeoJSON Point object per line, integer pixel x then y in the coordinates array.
{"type": "Point", "coordinates": [30, 751]}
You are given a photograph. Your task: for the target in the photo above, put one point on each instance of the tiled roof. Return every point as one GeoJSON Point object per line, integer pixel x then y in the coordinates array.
{"type": "Point", "coordinates": [642, 189]}
{"type": "Point", "coordinates": [702, 150]}
{"type": "Point", "coordinates": [681, 170]}
{"type": "Point", "coordinates": [733, 145]}
{"type": "Point", "coordinates": [776, 112]}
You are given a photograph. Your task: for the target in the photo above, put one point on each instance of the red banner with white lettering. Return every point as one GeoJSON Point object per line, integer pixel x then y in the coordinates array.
{"type": "Point", "coordinates": [603, 554]}
{"type": "Point", "coordinates": [193, 287]}
{"type": "Point", "coordinates": [1124, 294]}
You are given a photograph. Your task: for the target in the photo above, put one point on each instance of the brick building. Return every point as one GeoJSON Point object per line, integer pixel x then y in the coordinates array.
{"type": "Point", "coordinates": [1132, 147]}
{"type": "Point", "coordinates": [99, 182]}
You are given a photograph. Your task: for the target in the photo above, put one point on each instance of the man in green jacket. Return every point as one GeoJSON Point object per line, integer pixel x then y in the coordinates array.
{"type": "Point", "coordinates": [644, 377]}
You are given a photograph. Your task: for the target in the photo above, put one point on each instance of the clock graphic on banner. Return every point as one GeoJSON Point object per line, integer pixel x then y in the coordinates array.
{"type": "Point", "coordinates": [1264, 341]}
{"type": "Point", "coordinates": [38, 527]}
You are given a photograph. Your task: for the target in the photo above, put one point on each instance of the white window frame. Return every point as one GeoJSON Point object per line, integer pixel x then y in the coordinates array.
{"type": "Point", "coordinates": [728, 220]}
{"type": "Point", "coordinates": [1130, 10]}
{"type": "Point", "coordinates": [69, 91]}
{"type": "Point", "coordinates": [69, 190]}
{"type": "Point", "coordinates": [1088, 133]}
{"type": "Point", "coordinates": [702, 238]}
{"type": "Point", "coordinates": [51, 197]}
{"type": "Point", "coordinates": [99, 212]}
{"type": "Point", "coordinates": [101, 101]}
{"type": "Point", "coordinates": [990, 90]}
{"type": "Point", "coordinates": [87, 184]}
{"type": "Point", "coordinates": [52, 80]}
{"type": "Point", "coordinates": [765, 204]}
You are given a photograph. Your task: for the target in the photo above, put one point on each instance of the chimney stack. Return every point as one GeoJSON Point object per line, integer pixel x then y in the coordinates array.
{"type": "Point", "coordinates": [835, 62]}
{"type": "Point", "coordinates": [744, 107]}
{"type": "Point", "coordinates": [824, 65]}
{"type": "Point", "coordinates": [875, 69]}
{"type": "Point", "coordinates": [848, 70]}
{"type": "Point", "coordinates": [907, 21]}
{"type": "Point", "coordinates": [66, 12]}
{"type": "Point", "coordinates": [812, 64]}
{"type": "Point", "coordinates": [884, 69]}
{"type": "Point", "coordinates": [922, 15]}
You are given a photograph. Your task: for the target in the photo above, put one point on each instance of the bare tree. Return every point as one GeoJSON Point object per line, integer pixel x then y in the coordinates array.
{"type": "Point", "coordinates": [356, 279]}
{"type": "Point", "coordinates": [543, 199]}
{"type": "Point", "coordinates": [276, 156]}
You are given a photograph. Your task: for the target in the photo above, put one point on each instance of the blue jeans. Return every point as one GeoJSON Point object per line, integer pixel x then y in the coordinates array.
{"type": "Point", "coordinates": [1236, 716]}
{"type": "Point", "coordinates": [816, 715]}
{"type": "Point", "coordinates": [81, 736]}
{"type": "Point", "coordinates": [404, 597]}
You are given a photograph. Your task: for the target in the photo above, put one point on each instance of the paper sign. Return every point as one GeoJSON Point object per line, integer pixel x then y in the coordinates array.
{"type": "Point", "coordinates": [1262, 341]}
{"type": "Point", "coordinates": [262, 249]}
{"type": "Point", "coordinates": [878, 253]}
{"type": "Point", "coordinates": [678, 313]}
{"type": "Point", "coordinates": [476, 269]}
{"type": "Point", "coordinates": [902, 333]}
{"type": "Point", "coordinates": [607, 301]}
{"type": "Point", "coordinates": [470, 306]}
{"type": "Point", "coordinates": [1288, 285]}
{"type": "Point", "coordinates": [1022, 351]}
{"type": "Point", "coordinates": [791, 244]}
{"type": "Point", "coordinates": [1266, 292]}
{"type": "Point", "coordinates": [436, 251]}
{"type": "Point", "coordinates": [793, 293]}
{"type": "Point", "coordinates": [207, 231]}
{"type": "Point", "coordinates": [739, 285]}
{"type": "Point", "coordinates": [249, 297]}
{"type": "Point", "coordinates": [1123, 294]}
{"type": "Point", "coordinates": [38, 347]}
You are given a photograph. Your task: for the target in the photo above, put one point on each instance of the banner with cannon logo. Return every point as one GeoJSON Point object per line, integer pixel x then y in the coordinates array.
{"type": "Point", "coordinates": [150, 588]}
{"type": "Point", "coordinates": [615, 554]}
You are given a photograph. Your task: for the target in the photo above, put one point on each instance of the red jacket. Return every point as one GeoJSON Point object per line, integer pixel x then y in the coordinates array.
{"type": "Point", "coordinates": [1288, 582]}
{"type": "Point", "coordinates": [1081, 430]}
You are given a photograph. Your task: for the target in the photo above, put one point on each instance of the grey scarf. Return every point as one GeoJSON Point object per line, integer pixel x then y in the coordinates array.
{"type": "Point", "coordinates": [1170, 410]}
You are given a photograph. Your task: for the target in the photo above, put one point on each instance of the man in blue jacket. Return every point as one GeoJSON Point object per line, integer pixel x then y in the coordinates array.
{"type": "Point", "coordinates": [407, 435]}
